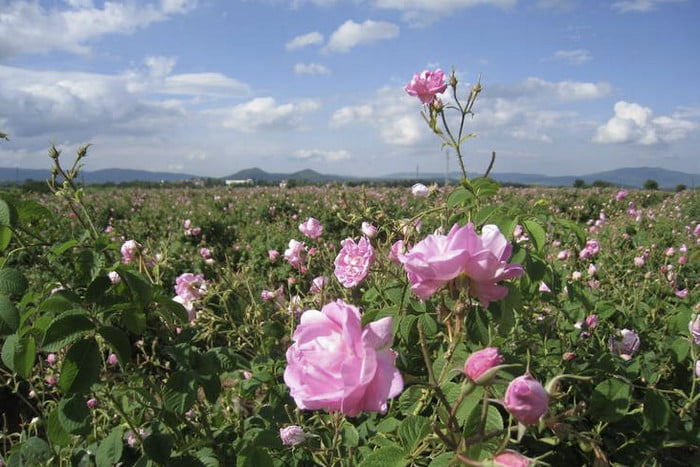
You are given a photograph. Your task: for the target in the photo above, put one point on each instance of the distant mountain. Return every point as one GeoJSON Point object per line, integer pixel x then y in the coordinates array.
{"type": "Point", "coordinates": [633, 177]}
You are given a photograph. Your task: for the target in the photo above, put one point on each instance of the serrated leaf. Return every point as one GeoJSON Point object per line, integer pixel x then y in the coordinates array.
{"type": "Point", "coordinates": [9, 316]}
{"type": "Point", "coordinates": [386, 456]}
{"type": "Point", "coordinates": [110, 449]}
{"type": "Point", "coordinates": [57, 434]}
{"type": "Point", "coordinates": [536, 233]}
{"type": "Point", "coordinates": [8, 214]}
{"type": "Point", "coordinates": [610, 400]}
{"type": "Point", "coordinates": [74, 415]}
{"type": "Point", "coordinates": [254, 457]}
{"type": "Point", "coordinates": [81, 367]}
{"type": "Point", "coordinates": [97, 288]}
{"type": "Point", "coordinates": [65, 329]}
{"type": "Point", "coordinates": [19, 353]}
{"type": "Point", "coordinates": [180, 392]}
{"type": "Point", "coordinates": [118, 341]}
{"type": "Point", "coordinates": [35, 451]}
{"type": "Point", "coordinates": [61, 248]}
{"type": "Point", "coordinates": [158, 447]}
{"type": "Point", "coordinates": [657, 410]}
{"type": "Point", "coordinates": [30, 211]}
{"type": "Point", "coordinates": [56, 304]}
{"type": "Point", "coordinates": [412, 431]}
{"type": "Point", "coordinates": [5, 237]}
{"type": "Point", "coordinates": [460, 197]}
{"type": "Point", "coordinates": [138, 285]}
{"type": "Point", "coordinates": [12, 282]}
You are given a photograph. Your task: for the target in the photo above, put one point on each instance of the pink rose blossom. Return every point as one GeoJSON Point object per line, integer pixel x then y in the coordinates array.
{"type": "Point", "coordinates": [639, 261]}
{"type": "Point", "coordinates": [478, 365]}
{"type": "Point", "coordinates": [129, 250]}
{"type": "Point", "coordinates": [92, 403]}
{"type": "Point", "coordinates": [681, 293]}
{"type": "Point", "coordinates": [420, 191]}
{"type": "Point", "coordinates": [544, 287]}
{"type": "Point", "coordinates": [205, 253]}
{"type": "Point", "coordinates": [368, 230]}
{"type": "Point", "coordinates": [591, 249]}
{"type": "Point", "coordinates": [272, 255]}
{"type": "Point", "coordinates": [696, 230]}
{"type": "Point", "coordinates": [682, 259]}
{"type": "Point", "coordinates": [312, 228]}
{"type": "Point", "coordinates": [51, 358]}
{"type": "Point", "coordinates": [426, 85]}
{"type": "Point", "coordinates": [526, 399]}
{"type": "Point", "coordinates": [563, 255]}
{"type": "Point", "coordinates": [624, 343]}
{"type": "Point", "coordinates": [188, 305]}
{"type": "Point", "coordinates": [697, 369]}
{"type": "Point", "coordinates": [511, 459]}
{"type": "Point", "coordinates": [353, 261]}
{"type": "Point", "coordinates": [318, 284]}
{"type": "Point", "coordinates": [337, 365]}
{"type": "Point", "coordinates": [190, 287]}
{"type": "Point", "coordinates": [398, 249]}
{"type": "Point", "coordinates": [694, 327]}
{"type": "Point", "coordinates": [292, 435]}
{"type": "Point", "coordinates": [620, 195]}
{"type": "Point", "coordinates": [295, 254]}
{"type": "Point", "coordinates": [112, 359]}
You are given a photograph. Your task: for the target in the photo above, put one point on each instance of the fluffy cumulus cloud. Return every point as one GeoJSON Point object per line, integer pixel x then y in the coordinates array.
{"type": "Point", "coordinates": [573, 57]}
{"type": "Point", "coordinates": [29, 27]}
{"type": "Point", "coordinates": [634, 123]}
{"type": "Point", "coordinates": [312, 38]}
{"type": "Point", "coordinates": [423, 12]}
{"type": "Point", "coordinates": [311, 69]}
{"type": "Point", "coordinates": [350, 114]}
{"type": "Point", "coordinates": [321, 155]}
{"type": "Point", "coordinates": [264, 114]}
{"type": "Point", "coordinates": [564, 90]}
{"type": "Point", "coordinates": [641, 5]}
{"type": "Point", "coordinates": [351, 34]}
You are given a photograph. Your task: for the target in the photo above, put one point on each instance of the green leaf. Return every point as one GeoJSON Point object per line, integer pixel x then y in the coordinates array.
{"type": "Point", "coordinates": [680, 349]}
{"type": "Point", "coordinates": [351, 437]}
{"type": "Point", "coordinates": [386, 456]}
{"type": "Point", "coordinates": [97, 288]}
{"type": "Point", "coordinates": [460, 197]}
{"type": "Point", "coordinates": [81, 367]}
{"type": "Point", "coordinates": [573, 227]}
{"type": "Point", "coordinates": [35, 451]}
{"type": "Point", "coordinates": [485, 187]}
{"type": "Point", "coordinates": [74, 415]}
{"type": "Point", "coordinates": [61, 248]}
{"type": "Point", "coordinates": [5, 237]}
{"type": "Point", "coordinates": [388, 425]}
{"type": "Point", "coordinates": [56, 304]}
{"type": "Point", "coordinates": [254, 457]}
{"type": "Point", "coordinates": [412, 431]}
{"type": "Point", "coordinates": [12, 282]}
{"type": "Point", "coordinates": [57, 434]}
{"type": "Point", "coordinates": [138, 284]}
{"type": "Point", "coordinates": [469, 402]}
{"type": "Point", "coordinates": [158, 447]}
{"type": "Point", "coordinates": [171, 311]}
{"type": "Point", "coordinates": [18, 354]}
{"type": "Point", "coordinates": [65, 329]}
{"type": "Point", "coordinates": [110, 449]}
{"type": "Point", "coordinates": [410, 398]}
{"type": "Point", "coordinates": [134, 320]}
{"type": "Point", "coordinates": [536, 233]}
{"type": "Point", "coordinates": [29, 211]}
{"type": "Point", "coordinates": [430, 326]}
{"type": "Point", "coordinates": [8, 213]}
{"type": "Point", "coordinates": [118, 341]}
{"type": "Point", "coordinates": [9, 316]}
{"type": "Point", "coordinates": [657, 410]}
{"type": "Point", "coordinates": [443, 460]}
{"type": "Point", "coordinates": [180, 392]}
{"type": "Point", "coordinates": [610, 400]}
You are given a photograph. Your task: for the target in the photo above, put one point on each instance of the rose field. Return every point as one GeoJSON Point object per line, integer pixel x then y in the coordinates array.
{"type": "Point", "coordinates": [337, 325]}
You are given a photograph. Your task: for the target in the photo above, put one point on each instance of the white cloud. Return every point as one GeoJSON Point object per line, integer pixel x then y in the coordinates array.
{"type": "Point", "coordinates": [573, 57]}
{"type": "Point", "coordinates": [312, 38]}
{"type": "Point", "coordinates": [351, 34]}
{"type": "Point", "coordinates": [263, 113]}
{"type": "Point", "coordinates": [27, 27]}
{"type": "Point", "coordinates": [204, 84]}
{"type": "Point", "coordinates": [441, 6]}
{"type": "Point", "coordinates": [564, 90]}
{"type": "Point", "coordinates": [633, 123]}
{"type": "Point", "coordinates": [311, 69]}
{"type": "Point", "coordinates": [640, 5]}
{"type": "Point", "coordinates": [561, 5]}
{"type": "Point", "coordinates": [318, 154]}
{"type": "Point", "coordinates": [350, 114]}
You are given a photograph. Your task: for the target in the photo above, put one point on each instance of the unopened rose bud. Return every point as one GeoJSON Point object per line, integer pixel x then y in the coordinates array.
{"type": "Point", "coordinates": [292, 435]}
{"type": "Point", "coordinates": [526, 399]}
{"type": "Point", "coordinates": [481, 366]}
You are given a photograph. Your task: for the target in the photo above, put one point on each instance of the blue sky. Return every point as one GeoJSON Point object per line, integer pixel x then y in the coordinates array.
{"type": "Point", "coordinates": [211, 87]}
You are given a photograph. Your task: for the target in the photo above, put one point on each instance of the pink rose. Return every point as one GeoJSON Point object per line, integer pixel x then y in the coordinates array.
{"type": "Point", "coordinates": [336, 365]}
{"type": "Point", "coordinates": [190, 287]}
{"type": "Point", "coordinates": [318, 284]}
{"type": "Point", "coordinates": [526, 399]}
{"type": "Point", "coordinates": [511, 459]}
{"type": "Point", "coordinates": [353, 261]}
{"type": "Point", "coordinates": [398, 248]}
{"type": "Point", "coordinates": [478, 365]}
{"type": "Point", "coordinates": [420, 191]}
{"type": "Point", "coordinates": [693, 327]}
{"type": "Point", "coordinates": [591, 249]}
{"type": "Point", "coordinates": [188, 305]}
{"type": "Point", "coordinates": [436, 260]}
{"type": "Point", "coordinates": [272, 254]}
{"type": "Point", "coordinates": [292, 435]}
{"type": "Point", "coordinates": [624, 343]}
{"type": "Point", "coordinates": [426, 85]}
{"type": "Point", "coordinates": [129, 250]}
{"type": "Point", "coordinates": [368, 230]}
{"type": "Point", "coordinates": [312, 228]}
{"type": "Point", "coordinates": [295, 254]}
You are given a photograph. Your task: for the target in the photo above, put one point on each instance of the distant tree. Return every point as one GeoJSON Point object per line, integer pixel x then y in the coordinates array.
{"type": "Point", "coordinates": [4, 136]}
{"type": "Point", "coordinates": [579, 183]}
{"type": "Point", "coordinates": [680, 187]}
{"type": "Point", "coordinates": [601, 184]}
{"type": "Point", "coordinates": [651, 185]}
